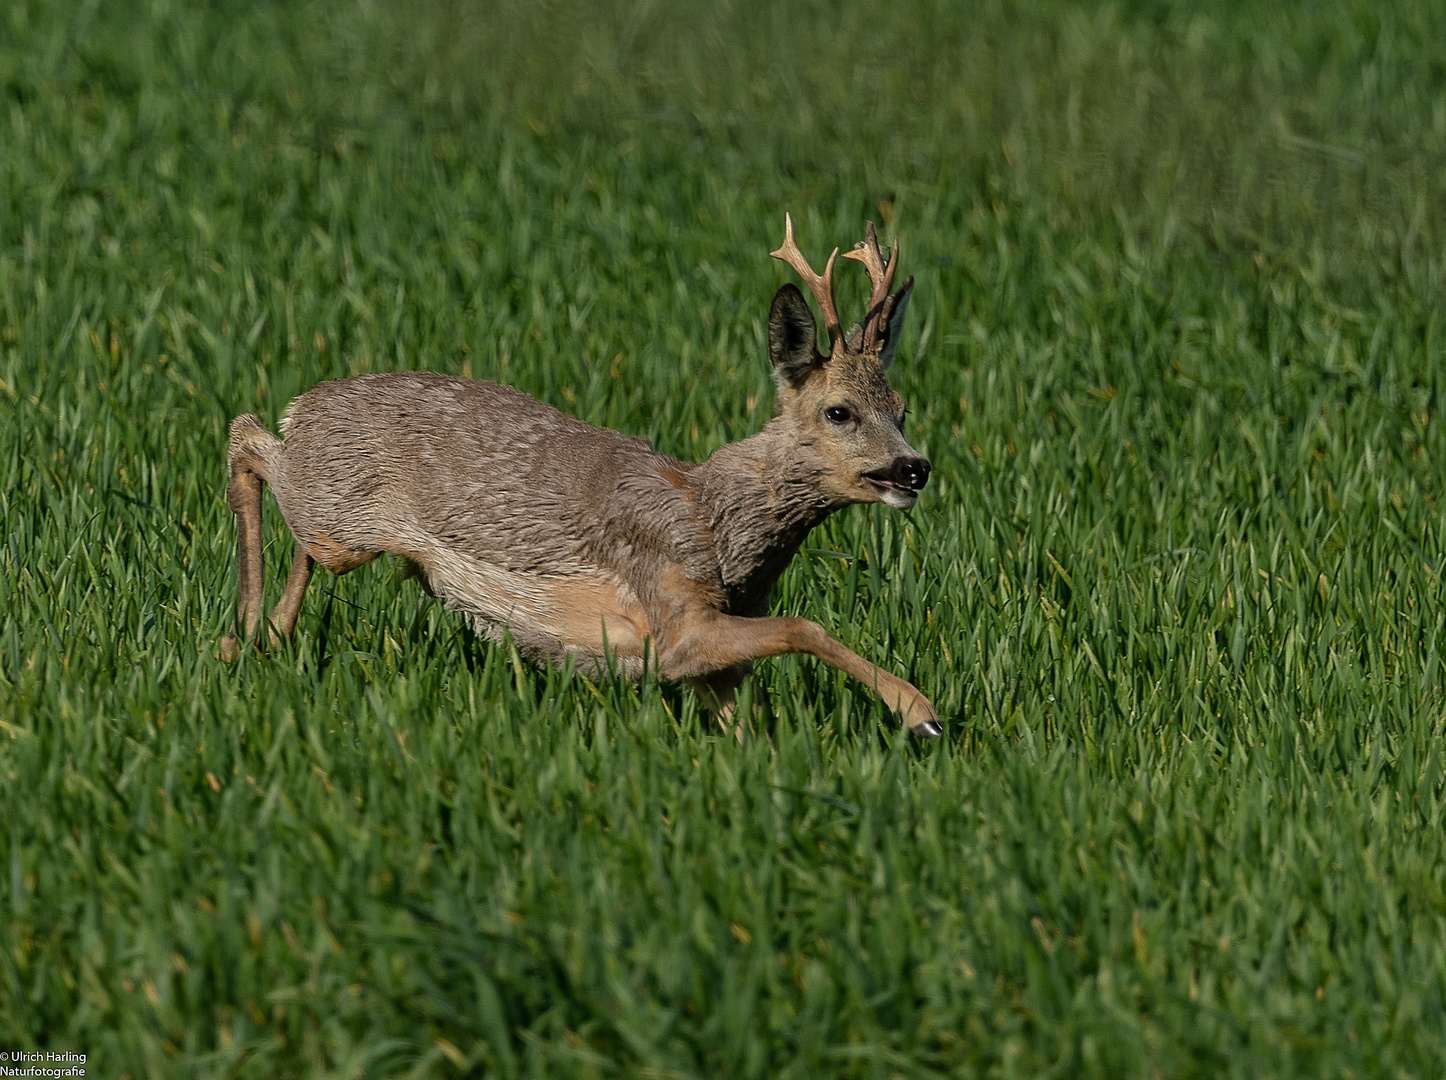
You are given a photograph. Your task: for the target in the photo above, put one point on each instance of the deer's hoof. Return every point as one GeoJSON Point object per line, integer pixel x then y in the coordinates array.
{"type": "Point", "coordinates": [929, 729]}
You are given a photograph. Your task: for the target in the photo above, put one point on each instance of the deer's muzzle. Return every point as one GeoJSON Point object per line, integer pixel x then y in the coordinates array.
{"type": "Point", "coordinates": [909, 474]}
{"type": "Point", "coordinates": [899, 484]}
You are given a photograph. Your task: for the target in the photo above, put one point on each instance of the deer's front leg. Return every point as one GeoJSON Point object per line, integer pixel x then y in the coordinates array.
{"type": "Point", "coordinates": [695, 642]}
{"type": "Point", "coordinates": [719, 691]}
{"type": "Point", "coordinates": [244, 496]}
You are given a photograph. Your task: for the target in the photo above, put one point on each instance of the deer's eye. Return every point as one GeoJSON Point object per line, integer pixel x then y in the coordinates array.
{"type": "Point", "coordinates": [837, 414]}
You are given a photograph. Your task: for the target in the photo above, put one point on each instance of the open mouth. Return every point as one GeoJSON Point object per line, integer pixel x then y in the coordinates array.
{"type": "Point", "coordinates": [893, 493]}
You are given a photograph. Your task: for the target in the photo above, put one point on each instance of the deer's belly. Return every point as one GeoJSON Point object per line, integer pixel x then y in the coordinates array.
{"type": "Point", "coordinates": [551, 617]}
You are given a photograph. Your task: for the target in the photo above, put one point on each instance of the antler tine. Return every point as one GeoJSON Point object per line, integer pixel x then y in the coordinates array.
{"type": "Point", "coordinates": [821, 287]}
{"type": "Point", "coordinates": [881, 269]}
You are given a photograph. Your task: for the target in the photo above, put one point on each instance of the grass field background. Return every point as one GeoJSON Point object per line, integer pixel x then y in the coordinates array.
{"type": "Point", "coordinates": [1176, 354]}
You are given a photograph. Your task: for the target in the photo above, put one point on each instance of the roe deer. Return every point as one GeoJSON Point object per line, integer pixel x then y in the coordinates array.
{"type": "Point", "coordinates": [585, 543]}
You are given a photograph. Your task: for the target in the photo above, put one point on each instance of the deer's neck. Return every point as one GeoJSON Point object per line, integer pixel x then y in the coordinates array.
{"type": "Point", "coordinates": [761, 496]}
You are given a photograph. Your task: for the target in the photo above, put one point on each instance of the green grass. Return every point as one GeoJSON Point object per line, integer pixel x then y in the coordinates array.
{"type": "Point", "coordinates": [1177, 356]}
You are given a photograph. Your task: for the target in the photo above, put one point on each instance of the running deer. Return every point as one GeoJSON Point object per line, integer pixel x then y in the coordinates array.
{"type": "Point", "coordinates": [584, 543]}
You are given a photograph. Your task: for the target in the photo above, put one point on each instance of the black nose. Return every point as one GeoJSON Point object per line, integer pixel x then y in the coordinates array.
{"type": "Point", "coordinates": [912, 472]}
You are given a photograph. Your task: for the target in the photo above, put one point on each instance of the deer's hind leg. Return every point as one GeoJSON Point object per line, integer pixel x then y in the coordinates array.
{"type": "Point", "coordinates": [251, 458]}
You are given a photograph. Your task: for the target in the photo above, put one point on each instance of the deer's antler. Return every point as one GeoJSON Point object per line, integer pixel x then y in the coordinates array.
{"type": "Point", "coordinates": [821, 287]}
{"type": "Point", "coordinates": [881, 267]}
{"type": "Point", "coordinates": [881, 277]}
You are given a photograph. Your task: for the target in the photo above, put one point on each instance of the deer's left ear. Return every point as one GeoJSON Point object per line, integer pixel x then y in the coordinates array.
{"type": "Point", "coordinates": [894, 324]}
{"type": "Point", "coordinates": [791, 337]}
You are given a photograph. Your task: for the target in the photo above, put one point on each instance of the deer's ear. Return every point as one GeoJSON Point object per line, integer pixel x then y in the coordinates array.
{"type": "Point", "coordinates": [894, 326]}
{"type": "Point", "coordinates": [791, 337]}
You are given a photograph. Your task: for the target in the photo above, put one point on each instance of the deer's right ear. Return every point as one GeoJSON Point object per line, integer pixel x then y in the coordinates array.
{"type": "Point", "coordinates": [791, 337]}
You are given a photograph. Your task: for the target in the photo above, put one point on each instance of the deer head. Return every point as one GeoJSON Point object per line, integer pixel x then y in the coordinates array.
{"type": "Point", "coordinates": [848, 415]}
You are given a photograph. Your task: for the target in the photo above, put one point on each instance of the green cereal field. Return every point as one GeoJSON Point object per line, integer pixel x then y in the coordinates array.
{"type": "Point", "coordinates": [1177, 353]}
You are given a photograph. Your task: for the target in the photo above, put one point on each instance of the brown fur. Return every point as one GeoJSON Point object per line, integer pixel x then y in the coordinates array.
{"type": "Point", "coordinates": [566, 536]}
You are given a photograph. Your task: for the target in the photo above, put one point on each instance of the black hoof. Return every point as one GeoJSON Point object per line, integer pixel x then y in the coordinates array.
{"type": "Point", "coordinates": [929, 729]}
